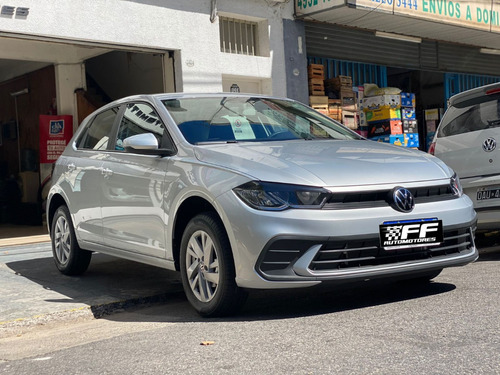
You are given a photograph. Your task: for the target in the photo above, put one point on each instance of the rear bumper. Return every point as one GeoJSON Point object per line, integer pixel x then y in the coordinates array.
{"type": "Point", "coordinates": [488, 211]}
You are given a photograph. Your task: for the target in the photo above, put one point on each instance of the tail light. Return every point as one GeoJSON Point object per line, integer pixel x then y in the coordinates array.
{"type": "Point", "coordinates": [432, 148]}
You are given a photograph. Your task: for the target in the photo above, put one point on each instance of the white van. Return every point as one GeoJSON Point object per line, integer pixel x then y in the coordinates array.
{"type": "Point", "coordinates": [468, 140]}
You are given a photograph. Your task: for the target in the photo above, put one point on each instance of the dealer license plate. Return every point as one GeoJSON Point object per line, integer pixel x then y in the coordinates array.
{"type": "Point", "coordinates": [411, 233]}
{"type": "Point", "coordinates": [484, 194]}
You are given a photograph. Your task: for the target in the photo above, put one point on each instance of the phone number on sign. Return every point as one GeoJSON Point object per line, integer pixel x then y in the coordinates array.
{"type": "Point", "coordinates": [411, 4]}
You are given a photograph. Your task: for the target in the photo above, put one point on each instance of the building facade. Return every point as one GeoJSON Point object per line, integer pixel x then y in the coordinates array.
{"type": "Point", "coordinates": [70, 57]}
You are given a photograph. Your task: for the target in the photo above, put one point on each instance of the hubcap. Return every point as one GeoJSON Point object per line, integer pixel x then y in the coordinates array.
{"type": "Point", "coordinates": [202, 266]}
{"type": "Point", "coordinates": [62, 240]}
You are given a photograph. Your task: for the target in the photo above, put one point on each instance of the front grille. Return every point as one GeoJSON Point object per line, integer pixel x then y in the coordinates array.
{"type": "Point", "coordinates": [334, 255]}
{"type": "Point", "coordinates": [383, 198]}
{"type": "Point", "coordinates": [338, 255]}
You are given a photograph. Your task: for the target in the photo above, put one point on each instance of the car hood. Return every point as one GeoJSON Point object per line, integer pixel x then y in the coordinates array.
{"type": "Point", "coordinates": [325, 163]}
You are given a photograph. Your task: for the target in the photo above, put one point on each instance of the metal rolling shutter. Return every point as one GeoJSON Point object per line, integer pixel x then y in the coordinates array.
{"type": "Point", "coordinates": [344, 43]}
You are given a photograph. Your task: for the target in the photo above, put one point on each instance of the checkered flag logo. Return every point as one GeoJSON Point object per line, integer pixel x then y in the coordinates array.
{"type": "Point", "coordinates": [393, 233]}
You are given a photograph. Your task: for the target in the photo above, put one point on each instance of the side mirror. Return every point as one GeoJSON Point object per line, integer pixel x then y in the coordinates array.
{"type": "Point", "coordinates": [145, 144]}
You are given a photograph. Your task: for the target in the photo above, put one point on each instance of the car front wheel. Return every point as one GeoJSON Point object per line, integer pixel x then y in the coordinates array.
{"type": "Point", "coordinates": [207, 267]}
{"type": "Point", "coordinates": [69, 258]}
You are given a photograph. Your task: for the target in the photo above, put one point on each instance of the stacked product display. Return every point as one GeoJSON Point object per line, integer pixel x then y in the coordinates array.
{"type": "Point", "coordinates": [383, 116]}
{"type": "Point", "coordinates": [410, 125]}
{"type": "Point", "coordinates": [390, 117]}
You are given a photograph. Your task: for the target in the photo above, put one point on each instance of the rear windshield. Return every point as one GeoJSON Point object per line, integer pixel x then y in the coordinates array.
{"type": "Point", "coordinates": [471, 118]}
{"type": "Point", "coordinates": [249, 119]}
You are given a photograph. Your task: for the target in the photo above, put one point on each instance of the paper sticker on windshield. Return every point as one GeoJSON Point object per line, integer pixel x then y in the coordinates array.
{"type": "Point", "coordinates": [241, 127]}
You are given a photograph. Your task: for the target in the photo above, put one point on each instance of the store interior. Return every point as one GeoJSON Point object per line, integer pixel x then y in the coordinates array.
{"type": "Point", "coordinates": [23, 182]}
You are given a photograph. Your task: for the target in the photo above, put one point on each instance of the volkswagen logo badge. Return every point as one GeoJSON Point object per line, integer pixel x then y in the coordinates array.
{"type": "Point", "coordinates": [403, 199]}
{"type": "Point", "coordinates": [490, 144]}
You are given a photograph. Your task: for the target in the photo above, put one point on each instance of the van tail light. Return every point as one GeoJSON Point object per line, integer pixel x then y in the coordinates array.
{"type": "Point", "coordinates": [493, 91]}
{"type": "Point", "coordinates": [432, 148]}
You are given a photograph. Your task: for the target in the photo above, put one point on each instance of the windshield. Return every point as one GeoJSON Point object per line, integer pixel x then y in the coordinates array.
{"type": "Point", "coordinates": [250, 119]}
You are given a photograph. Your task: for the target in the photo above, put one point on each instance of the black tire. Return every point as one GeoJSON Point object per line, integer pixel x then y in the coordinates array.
{"type": "Point", "coordinates": [207, 268]}
{"type": "Point", "coordinates": [69, 258]}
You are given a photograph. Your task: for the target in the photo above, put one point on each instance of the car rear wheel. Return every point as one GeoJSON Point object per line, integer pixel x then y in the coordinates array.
{"type": "Point", "coordinates": [69, 258]}
{"type": "Point", "coordinates": [207, 268]}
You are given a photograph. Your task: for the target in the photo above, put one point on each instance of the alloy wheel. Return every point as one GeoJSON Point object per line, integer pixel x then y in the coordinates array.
{"type": "Point", "coordinates": [202, 266]}
{"type": "Point", "coordinates": [62, 240]}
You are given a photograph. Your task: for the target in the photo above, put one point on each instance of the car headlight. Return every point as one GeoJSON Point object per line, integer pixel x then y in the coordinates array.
{"type": "Point", "coordinates": [456, 186]}
{"type": "Point", "coordinates": [276, 197]}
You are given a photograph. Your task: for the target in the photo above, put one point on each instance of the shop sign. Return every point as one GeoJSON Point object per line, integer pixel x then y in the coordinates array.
{"type": "Point", "coordinates": [303, 7]}
{"type": "Point", "coordinates": [55, 134]}
{"type": "Point", "coordinates": [482, 14]}
{"type": "Point", "coordinates": [479, 14]}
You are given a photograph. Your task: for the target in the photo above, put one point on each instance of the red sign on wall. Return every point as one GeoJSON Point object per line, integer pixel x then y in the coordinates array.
{"type": "Point", "coordinates": [55, 134]}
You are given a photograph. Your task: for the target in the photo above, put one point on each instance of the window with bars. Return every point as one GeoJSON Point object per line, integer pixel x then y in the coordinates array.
{"type": "Point", "coordinates": [238, 36]}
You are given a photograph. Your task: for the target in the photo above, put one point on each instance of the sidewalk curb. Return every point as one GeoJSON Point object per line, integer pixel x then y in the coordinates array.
{"type": "Point", "coordinates": [84, 312]}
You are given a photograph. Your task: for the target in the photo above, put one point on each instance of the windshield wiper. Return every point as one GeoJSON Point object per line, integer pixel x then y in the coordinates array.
{"type": "Point", "coordinates": [215, 142]}
{"type": "Point", "coordinates": [493, 123]}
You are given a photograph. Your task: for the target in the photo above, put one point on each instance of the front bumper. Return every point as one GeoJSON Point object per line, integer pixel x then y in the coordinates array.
{"type": "Point", "coordinates": [301, 248]}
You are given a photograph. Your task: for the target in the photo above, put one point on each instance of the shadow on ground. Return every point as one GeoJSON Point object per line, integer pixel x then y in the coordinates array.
{"type": "Point", "coordinates": [113, 285]}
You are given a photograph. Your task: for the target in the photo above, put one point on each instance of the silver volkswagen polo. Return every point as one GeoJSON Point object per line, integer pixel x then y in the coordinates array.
{"type": "Point", "coordinates": [245, 192]}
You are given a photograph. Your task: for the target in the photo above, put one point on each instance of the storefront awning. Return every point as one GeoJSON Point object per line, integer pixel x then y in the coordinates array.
{"type": "Point", "coordinates": [474, 23]}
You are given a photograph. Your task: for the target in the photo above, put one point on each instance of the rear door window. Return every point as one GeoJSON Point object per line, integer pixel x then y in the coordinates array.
{"type": "Point", "coordinates": [98, 133]}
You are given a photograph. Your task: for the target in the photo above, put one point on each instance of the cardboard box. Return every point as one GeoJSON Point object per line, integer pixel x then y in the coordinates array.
{"type": "Point", "coordinates": [407, 99]}
{"type": "Point", "coordinates": [381, 101]}
{"type": "Point", "coordinates": [383, 139]}
{"type": "Point", "coordinates": [349, 119]}
{"type": "Point", "coordinates": [406, 140]}
{"type": "Point", "coordinates": [408, 113]}
{"type": "Point", "coordinates": [431, 125]}
{"type": "Point", "coordinates": [432, 114]}
{"type": "Point", "coordinates": [336, 117]}
{"type": "Point", "coordinates": [316, 71]}
{"type": "Point", "coordinates": [362, 119]}
{"type": "Point", "coordinates": [383, 114]}
{"type": "Point", "coordinates": [385, 128]}
{"type": "Point", "coordinates": [348, 99]}
{"type": "Point", "coordinates": [410, 126]}
{"type": "Point", "coordinates": [318, 99]}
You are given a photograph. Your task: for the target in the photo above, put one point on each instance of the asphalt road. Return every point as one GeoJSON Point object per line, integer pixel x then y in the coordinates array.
{"type": "Point", "coordinates": [450, 326]}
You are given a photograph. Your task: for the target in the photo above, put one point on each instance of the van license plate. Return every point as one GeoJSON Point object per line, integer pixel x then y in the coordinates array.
{"type": "Point", "coordinates": [484, 194]}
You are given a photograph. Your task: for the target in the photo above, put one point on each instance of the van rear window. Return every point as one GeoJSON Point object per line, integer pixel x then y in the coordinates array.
{"type": "Point", "coordinates": [472, 118]}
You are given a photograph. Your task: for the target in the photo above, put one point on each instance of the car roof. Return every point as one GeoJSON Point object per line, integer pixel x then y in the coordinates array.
{"type": "Point", "coordinates": [465, 96]}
